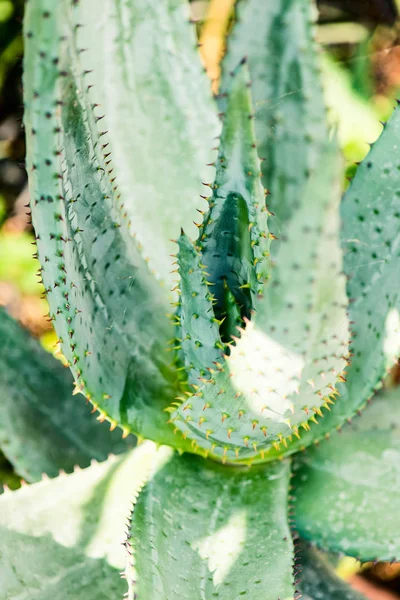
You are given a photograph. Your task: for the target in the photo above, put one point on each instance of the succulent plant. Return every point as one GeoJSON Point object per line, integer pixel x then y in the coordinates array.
{"type": "Point", "coordinates": [280, 325]}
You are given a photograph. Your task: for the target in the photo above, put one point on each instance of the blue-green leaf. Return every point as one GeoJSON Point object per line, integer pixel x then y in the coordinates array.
{"type": "Point", "coordinates": [278, 39]}
{"type": "Point", "coordinates": [64, 537]}
{"type": "Point", "coordinates": [159, 113]}
{"type": "Point", "coordinates": [200, 530]}
{"type": "Point", "coordinates": [370, 237]}
{"type": "Point", "coordinates": [345, 489]}
{"type": "Point", "coordinates": [289, 359]}
{"type": "Point", "coordinates": [107, 307]}
{"type": "Point", "coordinates": [199, 341]}
{"type": "Point", "coordinates": [43, 427]}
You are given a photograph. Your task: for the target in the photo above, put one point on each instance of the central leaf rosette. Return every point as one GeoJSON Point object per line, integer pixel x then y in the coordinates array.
{"type": "Point", "coordinates": [262, 328]}
{"type": "Point", "coordinates": [264, 339]}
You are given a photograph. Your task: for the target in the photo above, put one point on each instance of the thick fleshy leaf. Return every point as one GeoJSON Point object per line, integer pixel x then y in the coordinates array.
{"type": "Point", "coordinates": [318, 580]}
{"type": "Point", "coordinates": [290, 357]}
{"type": "Point", "coordinates": [371, 237]}
{"type": "Point", "coordinates": [221, 275]}
{"type": "Point", "coordinates": [234, 239]}
{"type": "Point", "coordinates": [199, 341]}
{"type": "Point", "coordinates": [346, 489]}
{"type": "Point", "coordinates": [63, 537]}
{"type": "Point", "coordinates": [200, 530]}
{"type": "Point", "coordinates": [233, 244]}
{"type": "Point", "coordinates": [277, 38]}
{"type": "Point", "coordinates": [43, 427]}
{"type": "Point", "coordinates": [371, 261]}
{"type": "Point", "coordinates": [108, 309]}
{"type": "Point", "coordinates": [160, 115]}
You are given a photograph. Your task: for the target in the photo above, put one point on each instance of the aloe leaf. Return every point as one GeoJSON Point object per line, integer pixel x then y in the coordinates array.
{"type": "Point", "coordinates": [290, 357]}
{"type": "Point", "coordinates": [233, 244]}
{"type": "Point", "coordinates": [199, 342]}
{"type": "Point", "coordinates": [232, 249]}
{"type": "Point", "coordinates": [304, 311]}
{"type": "Point", "coordinates": [370, 239]}
{"type": "Point", "coordinates": [371, 236]}
{"type": "Point", "coordinates": [108, 309]}
{"type": "Point", "coordinates": [233, 239]}
{"type": "Point", "coordinates": [200, 530]}
{"type": "Point", "coordinates": [43, 428]}
{"type": "Point", "coordinates": [277, 37]}
{"type": "Point", "coordinates": [64, 536]}
{"type": "Point", "coordinates": [317, 578]}
{"type": "Point", "coordinates": [344, 486]}
{"type": "Point", "coordinates": [160, 115]}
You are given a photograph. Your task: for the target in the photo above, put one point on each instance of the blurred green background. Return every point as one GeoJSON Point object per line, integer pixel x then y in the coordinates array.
{"type": "Point", "coordinates": [360, 61]}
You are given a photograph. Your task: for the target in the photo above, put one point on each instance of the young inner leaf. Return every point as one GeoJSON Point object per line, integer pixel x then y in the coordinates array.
{"type": "Point", "coordinates": [229, 264]}
{"type": "Point", "coordinates": [234, 240]}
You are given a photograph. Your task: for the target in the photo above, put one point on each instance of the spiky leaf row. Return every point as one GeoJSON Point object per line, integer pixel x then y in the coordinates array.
{"type": "Point", "coordinates": [244, 399]}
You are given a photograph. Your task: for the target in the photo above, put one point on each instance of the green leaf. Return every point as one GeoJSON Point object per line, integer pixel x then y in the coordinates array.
{"type": "Point", "coordinates": [199, 341]}
{"type": "Point", "coordinates": [234, 239]}
{"type": "Point", "coordinates": [370, 239]}
{"type": "Point", "coordinates": [346, 497]}
{"type": "Point", "coordinates": [318, 580]}
{"type": "Point", "coordinates": [200, 530]}
{"type": "Point", "coordinates": [43, 428]}
{"type": "Point", "coordinates": [304, 312]}
{"type": "Point", "coordinates": [160, 115]}
{"type": "Point", "coordinates": [64, 536]}
{"type": "Point", "coordinates": [371, 236]}
{"type": "Point", "coordinates": [233, 243]}
{"type": "Point", "coordinates": [277, 37]}
{"type": "Point", "coordinates": [301, 326]}
{"type": "Point", "coordinates": [287, 363]}
{"type": "Point", "coordinates": [108, 309]}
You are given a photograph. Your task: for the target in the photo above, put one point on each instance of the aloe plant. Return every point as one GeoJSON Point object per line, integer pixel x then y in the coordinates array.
{"type": "Point", "coordinates": [267, 329]}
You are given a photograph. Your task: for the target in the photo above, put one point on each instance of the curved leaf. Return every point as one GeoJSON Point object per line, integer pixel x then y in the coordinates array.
{"type": "Point", "coordinates": [233, 244]}
{"type": "Point", "coordinates": [346, 489]}
{"type": "Point", "coordinates": [370, 238]}
{"type": "Point", "coordinates": [64, 536]}
{"type": "Point", "coordinates": [290, 358]}
{"type": "Point", "coordinates": [246, 411]}
{"type": "Point", "coordinates": [277, 37]}
{"type": "Point", "coordinates": [108, 309]}
{"type": "Point", "coordinates": [200, 530]}
{"type": "Point", "coordinates": [199, 342]}
{"type": "Point", "coordinates": [160, 116]}
{"type": "Point", "coordinates": [234, 239]}
{"type": "Point", "coordinates": [43, 427]}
